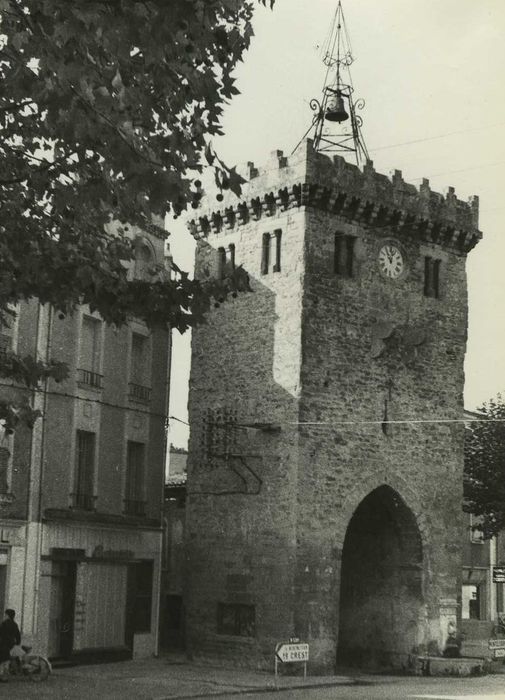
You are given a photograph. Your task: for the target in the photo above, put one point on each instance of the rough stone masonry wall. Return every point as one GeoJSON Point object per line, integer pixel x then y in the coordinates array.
{"type": "Point", "coordinates": [242, 494]}
{"type": "Point", "coordinates": [342, 383]}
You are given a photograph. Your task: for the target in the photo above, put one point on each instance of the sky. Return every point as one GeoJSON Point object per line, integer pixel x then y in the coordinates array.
{"type": "Point", "coordinates": [431, 74]}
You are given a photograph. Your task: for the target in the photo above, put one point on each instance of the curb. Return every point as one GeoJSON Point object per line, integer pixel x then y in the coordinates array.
{"type": "Point", "coordinates": [269, 689]}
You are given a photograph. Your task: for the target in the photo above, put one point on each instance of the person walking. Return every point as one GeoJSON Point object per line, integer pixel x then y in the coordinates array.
{"type": "Point", "coordinates": [9, 637]}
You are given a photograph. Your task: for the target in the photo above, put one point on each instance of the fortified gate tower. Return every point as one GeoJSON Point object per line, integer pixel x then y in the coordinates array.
{"type": "Point", "coordinates": [326, 453]}
{"type": "Point", "coordinates": [325, 474]}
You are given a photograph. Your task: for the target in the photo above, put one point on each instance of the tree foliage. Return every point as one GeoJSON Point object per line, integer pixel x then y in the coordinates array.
{"type": "Point", "coordinates": [107, 109]}
{"type": "Point", "coordinates": [484, 482]}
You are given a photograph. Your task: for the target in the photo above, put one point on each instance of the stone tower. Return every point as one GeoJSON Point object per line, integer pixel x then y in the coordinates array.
{"type": "Point", "coordinates": [326, 457]}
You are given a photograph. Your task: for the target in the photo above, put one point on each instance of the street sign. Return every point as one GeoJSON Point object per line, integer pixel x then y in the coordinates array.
{"type": "Point", "coordinates": [288, 653]}
{"type": "Point", "coordinates": [291, 652]}
{"type": "Point", "coordinates": [499, 653]}
{"type": "Point", "coordinates": [498, 574]}
{"type": "Point", "coordinates": [497, 644]}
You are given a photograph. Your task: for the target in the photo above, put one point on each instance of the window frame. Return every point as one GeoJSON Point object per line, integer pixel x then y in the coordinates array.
{"type": "Point", "coordinates": [237, 624]}
{"type": "Point", "coordinates": [141, 623]}
{"type": "Point", "coordinates": [85, 480]}
{"type": "Point", "coordinates": [432, 268]}
{"type": "Point", "coordinates": [344, 246]}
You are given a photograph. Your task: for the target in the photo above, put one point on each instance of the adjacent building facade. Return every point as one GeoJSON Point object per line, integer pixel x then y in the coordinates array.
{"type": "Point", "coordinates": [324, 472]}
{"type": "Point", "coordinates": [81, 501]}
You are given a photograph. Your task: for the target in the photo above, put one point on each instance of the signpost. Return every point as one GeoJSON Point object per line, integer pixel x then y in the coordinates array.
{"type": "Point", "coordinates": [290, 652]}
{"type": "Point", "coordinates": [497, 646]}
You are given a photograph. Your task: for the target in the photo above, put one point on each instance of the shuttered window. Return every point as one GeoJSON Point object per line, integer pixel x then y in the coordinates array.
{"type": "Point", "coordinates": [4, 469]}
{"type": "Point", "coordinates": [85, 470]}
{"type": "Point", "coordinates": [90, 349]}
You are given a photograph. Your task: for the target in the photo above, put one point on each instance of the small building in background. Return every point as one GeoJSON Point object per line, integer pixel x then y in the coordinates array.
{"type": "Point", "coordinates": [81, 493]}
{"type": "Point", "coordinates": [172, 581]}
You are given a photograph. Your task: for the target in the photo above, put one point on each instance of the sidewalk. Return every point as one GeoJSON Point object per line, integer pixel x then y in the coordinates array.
{"type": "Point", "coordinates": [170, 676]}
{"type": "Point", "coordinates": [173, 676]}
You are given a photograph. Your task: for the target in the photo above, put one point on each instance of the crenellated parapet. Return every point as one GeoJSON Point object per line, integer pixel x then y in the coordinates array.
{"type": "Point", "coordinates": [311, 179]}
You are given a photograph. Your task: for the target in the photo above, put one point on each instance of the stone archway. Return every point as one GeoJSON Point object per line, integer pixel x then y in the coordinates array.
{"type": "Point", "coordinates": [381, 594]}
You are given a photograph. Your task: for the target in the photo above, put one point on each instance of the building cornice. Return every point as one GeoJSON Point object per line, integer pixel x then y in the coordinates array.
{"type": "Point", "coordinates": [339, 188]}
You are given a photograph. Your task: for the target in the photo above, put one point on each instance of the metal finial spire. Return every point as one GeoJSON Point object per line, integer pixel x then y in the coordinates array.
{"type": "Point", "coordinates": [330, 134]}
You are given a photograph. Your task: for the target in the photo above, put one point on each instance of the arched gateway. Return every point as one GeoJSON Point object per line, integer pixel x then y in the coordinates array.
{"type": "Point", "coordinates": [381, 584]}
{"type": "Point", "coordinates": [341, 371]}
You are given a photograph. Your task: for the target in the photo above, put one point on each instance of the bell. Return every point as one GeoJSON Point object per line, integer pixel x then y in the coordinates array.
{"type": "Point", "coordinates": [335, 110]}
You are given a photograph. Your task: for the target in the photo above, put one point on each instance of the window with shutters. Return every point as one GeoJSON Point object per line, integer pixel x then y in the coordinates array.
{"type": "Point", "coordinates": [7, 326]}
{"type": "Point", "coordinates": [140, 368]}
{"type": "Point", "coordinates": [134, 502]}
{"type": "Point", "coordinates": [431, 277]}
{"type": "Point", "coordinates": [90, 353]}
{"type": "Point", "coordinates": [83, 496]}
{"type": "Point", "coordinates": [343, 256]}
{"type": "Point", "coordinates": [5, 456]}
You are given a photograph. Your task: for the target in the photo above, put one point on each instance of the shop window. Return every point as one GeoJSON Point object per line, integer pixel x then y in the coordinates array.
{"type": "Point", "coordinates": [343, 255]}
{"type": "Point", "coordinates": [83, 496]}
{"type": "Point", "coordinates": [140, 583]}
{"type": "Point", "coordinates": [431, 277]}
{"type": "Point", "coordinates": [236, 619]}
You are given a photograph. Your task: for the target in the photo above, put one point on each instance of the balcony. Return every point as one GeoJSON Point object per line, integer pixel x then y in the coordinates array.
{"type": "Point", "coordinates": [134, 507]}
{"type": "Point", "coordinates": [83, 501]}
{"type": "Point", "coordinates": [88, 379]}
{"type": "Point", "coordinates": [137, 392]}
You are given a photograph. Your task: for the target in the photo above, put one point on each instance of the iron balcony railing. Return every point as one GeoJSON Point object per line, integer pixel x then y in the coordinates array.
{"type": "Point", "coordinates": [83, 501]}
{"type": "Point", "coordinates": [133, 506]}
{"type": "Point", "coordinates": [87, 378]}
{"type": "Point", "coordinates": [137, 392]}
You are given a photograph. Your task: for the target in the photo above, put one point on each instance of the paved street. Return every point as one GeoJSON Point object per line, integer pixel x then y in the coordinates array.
{"type": "Point", "coordinates": [174, 677]}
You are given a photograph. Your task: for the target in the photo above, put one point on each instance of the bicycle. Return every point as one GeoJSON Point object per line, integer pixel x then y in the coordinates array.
{"type": "Point", "coordinates": [37, 668]}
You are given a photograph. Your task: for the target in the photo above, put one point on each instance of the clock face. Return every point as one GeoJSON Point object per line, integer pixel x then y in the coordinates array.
{"type": "Point", "coordinates": [391, 261]}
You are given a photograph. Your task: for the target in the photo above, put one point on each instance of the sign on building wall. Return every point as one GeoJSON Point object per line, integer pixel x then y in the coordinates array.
{"type": "Point", "coordinates": [498, 574]}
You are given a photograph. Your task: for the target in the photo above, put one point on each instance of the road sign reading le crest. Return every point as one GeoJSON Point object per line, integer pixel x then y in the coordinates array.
{"type": "Point", "coordinates": [289, 653]}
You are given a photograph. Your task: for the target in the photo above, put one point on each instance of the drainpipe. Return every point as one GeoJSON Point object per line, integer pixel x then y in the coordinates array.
{"type": "Point", "coordinates": [492, 613]}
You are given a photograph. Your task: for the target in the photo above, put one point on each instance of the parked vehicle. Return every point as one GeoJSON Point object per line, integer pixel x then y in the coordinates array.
{"type": "Point", "coordinates": [24, 663]}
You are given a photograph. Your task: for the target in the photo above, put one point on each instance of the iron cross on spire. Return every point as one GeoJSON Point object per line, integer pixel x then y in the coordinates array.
{"type": "Point", "coordinates": [336, 127]}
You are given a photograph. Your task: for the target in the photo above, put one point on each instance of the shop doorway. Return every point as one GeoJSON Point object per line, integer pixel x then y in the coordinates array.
{"type": "Point", "coordinates": [62, 609]}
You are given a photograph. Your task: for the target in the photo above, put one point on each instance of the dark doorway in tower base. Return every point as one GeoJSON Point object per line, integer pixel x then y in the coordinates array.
{"type": "Point", "coordinates": [381, 584]}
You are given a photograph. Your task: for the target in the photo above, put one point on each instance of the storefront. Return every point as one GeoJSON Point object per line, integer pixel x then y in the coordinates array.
{"type": "Point", "coordinates": [99, 592]}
